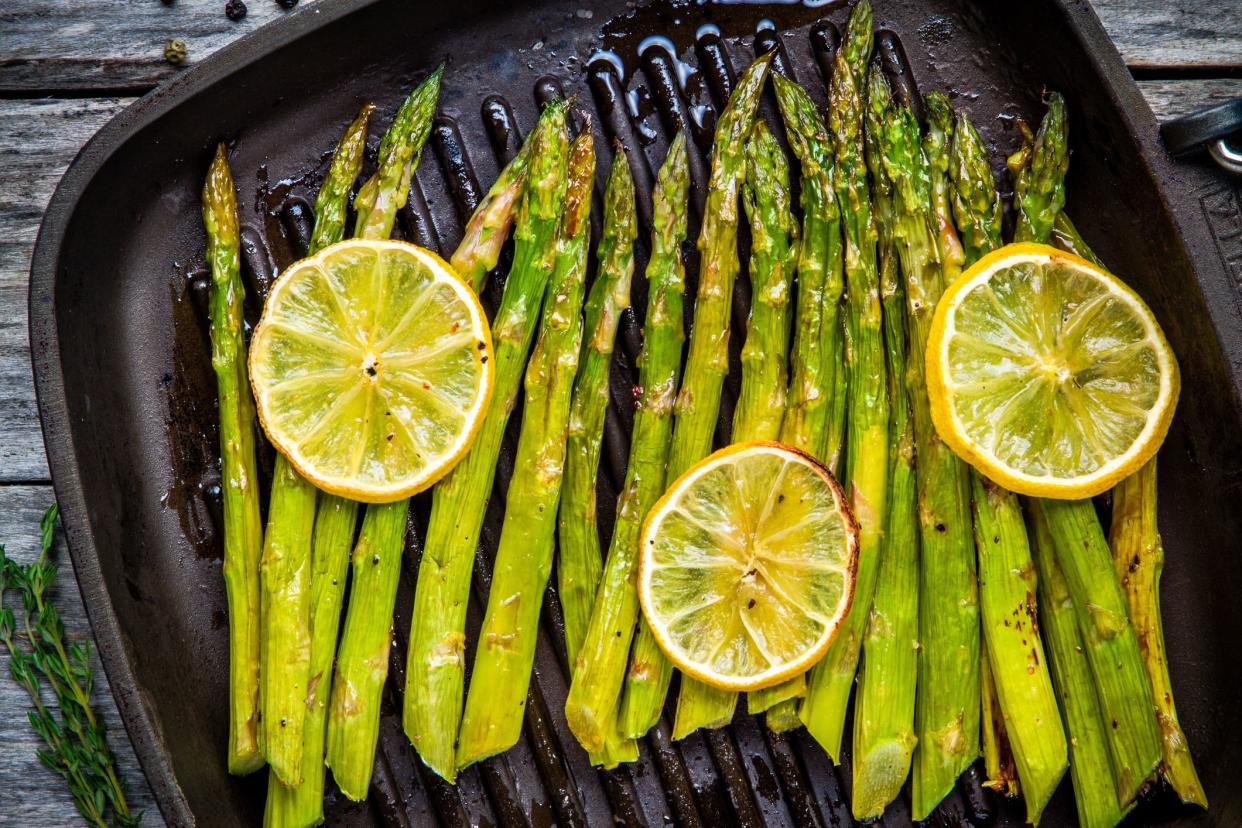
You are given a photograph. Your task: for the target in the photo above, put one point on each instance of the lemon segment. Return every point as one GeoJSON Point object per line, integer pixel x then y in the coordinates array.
{"type": "Point", "coordinates": [747, 566]}
{"type": "Point", "coordinates": [1048, 374]}
{"type": "Point", "coordinates": [371, 368]}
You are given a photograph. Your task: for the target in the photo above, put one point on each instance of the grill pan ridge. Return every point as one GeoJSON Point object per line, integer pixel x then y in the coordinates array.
{"type": "Point", "coordinates": [121, 357]}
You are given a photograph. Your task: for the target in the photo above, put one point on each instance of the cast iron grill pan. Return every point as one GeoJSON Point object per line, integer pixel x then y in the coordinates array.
{"type": "Point", "coordinates": [131, 316]}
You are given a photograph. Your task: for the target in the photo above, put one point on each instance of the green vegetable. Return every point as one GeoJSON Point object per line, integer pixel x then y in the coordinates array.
{"type": "Point", "coordinates": [1091, 769]}
{"type": "Point", "coordinates": [592, 707]}
{"type": "Point", "coordinates": [1078, 540]}
{"type": "Point", "coordinates": [884, 702]}
{"type": "Point", "coordinates": [579, 561]}
{"type": "Point", "coordinates": [334, 523]}
{"type": "Point", "coordinates": [434, 667]}
{"type": "Point", "coordinates": [243, 528]}
{"type": "Point", "coordinates": [491, 222]}
{"type": "Point", "coordinates": [867, 439]}
{"type": "Point", "coordinates": [362, 663]}
{"type": "Point", "coordinates": [501, 676]}
{"type": "Point", "coordinates": [947, 710]}
{"type": "Point", "coordinates": [707, 359]}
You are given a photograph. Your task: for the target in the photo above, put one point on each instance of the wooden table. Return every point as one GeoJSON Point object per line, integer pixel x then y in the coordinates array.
{"type": "Point", "coordinates": [68, 66]}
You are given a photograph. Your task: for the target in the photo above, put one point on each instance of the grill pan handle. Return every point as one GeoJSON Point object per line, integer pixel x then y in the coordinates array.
{"type": "Point", "coordinates": [1212, 128]}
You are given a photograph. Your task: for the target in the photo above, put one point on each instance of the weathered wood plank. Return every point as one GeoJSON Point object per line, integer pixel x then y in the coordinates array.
{"type": "Point", "coordinates": [112, 44]}
{"type": "Point", "coordinates": [30, 794]}
{"type": "Point", "coordinates": [1164, 35]}
{"type": "Point", "coordinates": [1171, 99]}
{"type": "Point", "coordinates": [118, 44]}
{"type": "Point", "coordinates": [38, 139]}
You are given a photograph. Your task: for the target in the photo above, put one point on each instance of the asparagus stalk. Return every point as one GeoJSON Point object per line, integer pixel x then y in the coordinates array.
{"type": "Point", "coordinates": [765, 194]}
{"type": "Point", "coordinates": [1138, 556]}
{"type": "Point", "coordinates": [493, 713]}
{"type": "Point", "coordinates": [1006, 571]}
{"type": "Point", "coordinates": [1112, 647]}
{"type": "Point", "coordinates": [947, 712]}
{"type": "Point", "coordinates": [491, 222]}
{"type": "Point", "coordinates": [1078, 539]}
{"type": "Point", "coordinates": [998, 762]}
{"type": "Point", "coordinates": [707, 359]}
{"type": "Point", "coordinates": [761, 403]}
{"type": "Point", "coordinates": [867, 450]}
{"type": "Point", "coordinates": [333, 533]}
{"type": "Point", "coordinates": [884, 702]}
{"type": "Point", "coordinates": [362, 661]}
{"type": "Point", "coordinates": [816, 398]}
{"type": "Point", "coordinates": [386, 192]}
{"type": "Point", "coordinates": [243, 528]}
{"type": "Point", "coordinates": [580, 561]}
{"type": "Point", "coordinates": [599, 669]}
{"type": "Point", "coordinates": [937, 149]}
{"type": "Point", "coordinates": [1095, 795]}
{"type": "Point", "coordinates": [806, 416]}
{"type": "Point", "coordinates": [434, 667]}
{"type": "Point", "coordinates": [1015, 650]}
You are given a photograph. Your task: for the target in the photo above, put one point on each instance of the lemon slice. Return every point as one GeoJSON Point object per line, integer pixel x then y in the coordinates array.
{"type": "Point", "coordinates": [1048, 374]}
{"type": "Point", "coordinates": [747, 566]}
{"type": "Point", "coordinates": [372, 368]}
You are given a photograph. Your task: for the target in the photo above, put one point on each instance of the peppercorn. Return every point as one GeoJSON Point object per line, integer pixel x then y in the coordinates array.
{"type": "Point", "coordinates": [235, 10]}
{"type": "Point", "coordinates": [175, 51]}
{"type": "Point", "coordinates": [287, 4]}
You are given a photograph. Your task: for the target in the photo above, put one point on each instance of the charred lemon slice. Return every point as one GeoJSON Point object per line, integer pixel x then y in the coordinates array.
{"type": "Point", "coordinates": [747, 566]}
{"type": "Point", "coordinates": [372, 368]}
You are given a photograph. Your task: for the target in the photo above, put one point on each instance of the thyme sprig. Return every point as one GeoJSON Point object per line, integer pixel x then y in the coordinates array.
{"type": "Point", "coordinates": [41, 657]}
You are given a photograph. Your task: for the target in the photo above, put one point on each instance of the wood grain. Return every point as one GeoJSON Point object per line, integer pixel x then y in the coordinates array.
{"type": "Point", "coordinates": [1174, 36]}
{"type": "Point", "coordinates": [30, 794]}
{"type": "Point", "coordinates": [38, 139]}
{"type": "Point", "coordinates": [112, 44]}
{"type": "Point", "coordinates": [118, 45]}
{"type": "Point", "coordinates": [1172, 99]}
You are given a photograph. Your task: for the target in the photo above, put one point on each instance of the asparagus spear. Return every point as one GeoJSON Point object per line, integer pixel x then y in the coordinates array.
{"type": "Point", "coordinates": [1078, 539]}
{"type": "Point", "coordinates": [1095, 795]}
{"type": "Point", "coordinates": [707, 360]}
{"type": "Point", "coordinates": [998, 762]}
{"type": "Point", "coordinates": [947, 712]}
{"type": "Point", "coordinates": [434, 668]}
{"type": "Point", "coordinates": [1015, 647]}
{"type": "Point", "coordinates": [592, 707]}
{"type": "Point", "coordinates": [333, 533]}
{"type": "Point", "coordinates": [816, 399]}
{"type": "Point", "coordinates": [1138, 555]}
{"type": "Point", "coordinates": [762, 406]}
{"type": "Point", "coordinates": [491, 222]}
{"type": "Point", "coordinates": [580, 562]}
{"type": "Point", "coordinates": [362, 660]}
{"type": "Point", "coordinates": [506, 651]}
{"type": "Point", "coordinates": [761, 403]}
{"type": "Point", "coordinates": [1112, 648]}
{"type": "Point", "coordinates": [1006, 572]}
{"type": "Point", "coordinates": [243, 528]}
{"type": "Point", "coordinates": [936, 149]}
{"type": "Point", "coordinates": [819, 282]}
{"type": "Point", "coordinates": [867, 450]}
{"type": "Point", "coordinates": [884, 703]}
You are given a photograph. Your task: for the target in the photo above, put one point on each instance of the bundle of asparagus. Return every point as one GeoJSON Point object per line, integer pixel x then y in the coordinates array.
{"type": "Point", "coordinates": [890, 213]}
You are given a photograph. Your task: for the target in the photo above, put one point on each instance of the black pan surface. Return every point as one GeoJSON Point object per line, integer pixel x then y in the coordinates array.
{"type": "Point", "coordinates": [127, 398]}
